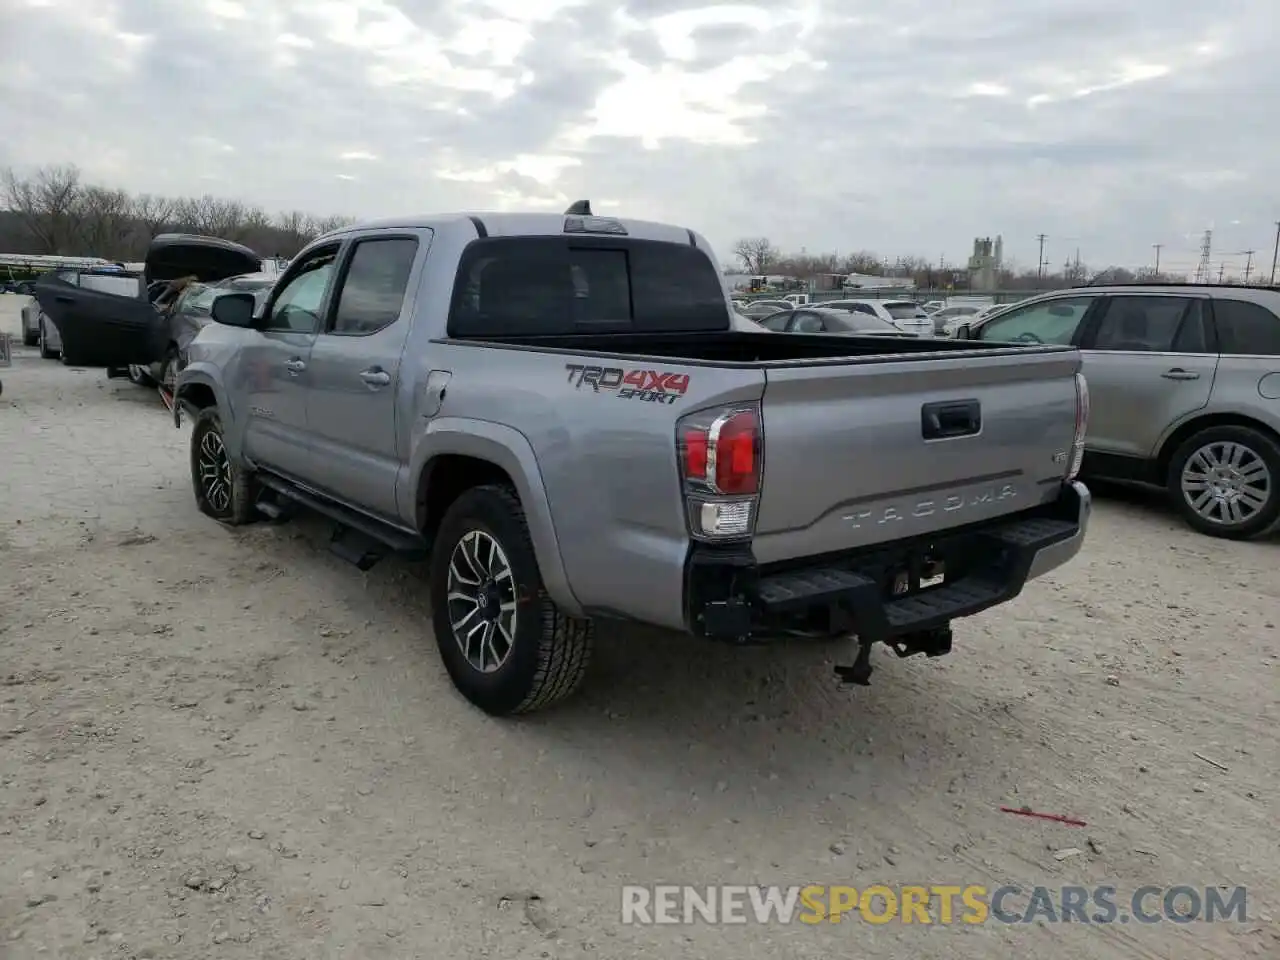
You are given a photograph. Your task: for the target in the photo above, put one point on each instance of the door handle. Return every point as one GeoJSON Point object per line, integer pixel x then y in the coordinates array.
{"type": "Point", "coordinates": [1177, 373]}
{"type": "Point", "coordinates": [64, 299]}
{"type": "Point", "coordinates": [375, 377]}
{"type": "Point", "coordinates": [295, 365]}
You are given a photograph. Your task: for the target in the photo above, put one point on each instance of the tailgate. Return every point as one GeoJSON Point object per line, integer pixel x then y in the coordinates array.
{"type": "Point", "coordinates": [865, 452]}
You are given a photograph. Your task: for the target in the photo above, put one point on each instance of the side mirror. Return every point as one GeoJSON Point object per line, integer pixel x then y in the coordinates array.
{"type": "Point", "coordinates": [233, 309]}
{"type": "Point", "coordinates": [962, 332]}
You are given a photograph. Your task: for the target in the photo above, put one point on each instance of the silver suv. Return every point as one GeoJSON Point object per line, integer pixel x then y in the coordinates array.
{"type": "Point", "coordinates": [1185, 388]}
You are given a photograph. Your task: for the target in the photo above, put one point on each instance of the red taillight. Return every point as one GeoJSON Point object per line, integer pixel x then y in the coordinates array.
{"type": "Point", "coordinates": [721, 454]}
{"type": "Point", "coordinates": [735, 453]}
{"type": "Point", "coordinates": [695, 453]}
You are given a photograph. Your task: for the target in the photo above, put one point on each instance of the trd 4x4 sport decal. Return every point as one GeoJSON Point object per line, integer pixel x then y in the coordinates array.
{"type": "Point", "coordinates": [653, 386]}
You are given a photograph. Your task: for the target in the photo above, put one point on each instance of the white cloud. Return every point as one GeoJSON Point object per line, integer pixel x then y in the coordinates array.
{"type": "Point", "coordinates": [902, 126]}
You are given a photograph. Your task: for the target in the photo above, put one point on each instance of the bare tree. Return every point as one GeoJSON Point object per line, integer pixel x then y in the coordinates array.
{"type": "Point", "coordinates": [211, 216]}
{"type": "Point", "coordinates": [105, 221]}
{"type": "Point", "coordinates": [864, 262]}
{"type": "Point", "coordinates": [757, 254]}
{"type": "Point", "coordinates": [154, 214]}
{"type": "Point", "coordinates": [46, 203]}
{"type": "Point", "coordinates": [325, 225]}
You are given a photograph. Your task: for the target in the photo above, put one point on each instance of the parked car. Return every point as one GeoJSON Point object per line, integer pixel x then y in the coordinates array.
{"type": "Point", "coordinates": [187, 316]}
{"type": "Point", "coordinates": [840, 322]}
{"type": "Point", "coordinates": [744, 324]}
{"type": "Point", "coordinates": [759, 309]}
{"type": "Point", "coordinates": [445, 386]}
{"type": "Point", "coordinates": [30, 323]}
{"type": "Point", "coordinates": [944, 320]}
{"type": "Point", "coordinates": [1185, 382]}
{"type": "Point", "coordinates": [906, 315]}
{"type": "Point", "coordinates": [119, 327]}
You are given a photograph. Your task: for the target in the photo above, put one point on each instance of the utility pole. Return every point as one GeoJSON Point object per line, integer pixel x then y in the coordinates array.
{"type": "Point", "coordinates": [1158, 247]}
{"type": "Point", "coordinates": [1040, 265]}
{"type": "Point", "coordinates": [1222, 269]}
{"type": "Point", "coordinates": [1248, 265]}
{"type": "Point", "coordinates": [1275, 256]}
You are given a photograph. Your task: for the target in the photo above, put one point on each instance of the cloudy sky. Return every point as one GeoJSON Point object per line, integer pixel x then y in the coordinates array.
{"type": "Point", "coordinates": [894, 125]}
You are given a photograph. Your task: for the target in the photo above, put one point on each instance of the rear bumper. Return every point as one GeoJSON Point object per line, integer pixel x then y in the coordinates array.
{"type": "Point", "coordinates": [877, 594]}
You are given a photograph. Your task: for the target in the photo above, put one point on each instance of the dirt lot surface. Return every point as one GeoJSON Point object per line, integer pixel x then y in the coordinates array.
{"type": "Point", "coordinates": [220, 743]}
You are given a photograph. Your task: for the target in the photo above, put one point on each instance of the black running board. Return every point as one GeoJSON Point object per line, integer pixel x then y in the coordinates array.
{"type": "Point", "coordinates": [362, 540]}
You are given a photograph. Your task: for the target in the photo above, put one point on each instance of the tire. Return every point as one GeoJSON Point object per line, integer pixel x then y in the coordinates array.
{"type": "Point", "coordinates": [45, 352]}
{"type": "Point", "coordinates": [30, 338]}
{"type": "Point", "coordinates": [140, 377]}
{"type": "Point", "coordinates": [228, 497]}
{"type": "Point", "coordinates": [549, 653]}
{"type": "Point", "coordinates": [1256, 459]}
{"type": "Point", "coordinates": [169, 369]}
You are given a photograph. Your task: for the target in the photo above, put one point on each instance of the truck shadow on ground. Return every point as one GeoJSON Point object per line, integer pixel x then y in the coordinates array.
{"type": "Point", "coordinates": [700, 716]}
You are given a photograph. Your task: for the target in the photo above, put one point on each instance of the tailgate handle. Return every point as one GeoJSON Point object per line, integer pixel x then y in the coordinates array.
{"type": "Point", "coordinates": [951, 418]}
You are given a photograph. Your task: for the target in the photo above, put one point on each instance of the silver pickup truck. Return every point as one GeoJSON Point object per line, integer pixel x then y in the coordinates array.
{"type": "Point", "coordinates": [446, 387]}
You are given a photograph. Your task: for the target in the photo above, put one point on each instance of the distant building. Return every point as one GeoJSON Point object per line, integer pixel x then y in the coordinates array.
{"type": "Point", "coordinates": [986, 263]}
{"type": "Point", "coordinates": [865, 281]}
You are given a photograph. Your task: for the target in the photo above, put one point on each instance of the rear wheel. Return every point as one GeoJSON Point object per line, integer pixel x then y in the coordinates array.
{"type": "Point", "coordinates": [1225, 481]}
{"type": "Point", "coordinates": [506, 646]}
{"type": "Point", "coordinates": [140, 376]}
{"type": "Point", "coordinates": [45, 352]}
{"type": "Point", "coordinates": [224, 490]}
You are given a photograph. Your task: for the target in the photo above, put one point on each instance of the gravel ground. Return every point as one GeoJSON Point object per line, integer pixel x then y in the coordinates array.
{"type": "Point", "coordinates": [221, 743]}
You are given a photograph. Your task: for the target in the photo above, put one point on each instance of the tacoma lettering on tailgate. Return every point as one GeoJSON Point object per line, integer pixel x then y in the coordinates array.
{"type": "Point", "coordinates": [927, 508]}
{"type": "Point", "coordinates": [652, 386]}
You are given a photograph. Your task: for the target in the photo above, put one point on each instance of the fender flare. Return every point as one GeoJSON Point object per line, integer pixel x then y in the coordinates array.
{"type": "Point", "coordinates": [509, 449]}
{"type": "Point", "coordinates": [198, 375]}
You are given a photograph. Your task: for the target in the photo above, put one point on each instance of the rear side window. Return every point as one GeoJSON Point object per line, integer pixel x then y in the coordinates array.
{"type": "Point", "coordinates": [1151, 325]}
{"type": "Point", "coordinates": [548, 286]}
{"type": "Point", "coordinates": [115, 285]}
{"type": "Point", "coordinates": [374, 285]}
{"type": "Point", "coordinates": [905, 311]}
{"type": "Point", "coordinates": [1246, 328]}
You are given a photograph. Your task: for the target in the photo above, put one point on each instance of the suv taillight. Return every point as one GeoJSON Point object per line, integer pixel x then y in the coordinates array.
{"type": "Point", "coordinates": [721, 453]}
{"type": "Point", "coordinates": [1082, 426]}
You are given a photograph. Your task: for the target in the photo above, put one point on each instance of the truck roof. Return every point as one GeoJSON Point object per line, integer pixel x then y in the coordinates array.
{"type": "Point", "coordinates": [497, 224]}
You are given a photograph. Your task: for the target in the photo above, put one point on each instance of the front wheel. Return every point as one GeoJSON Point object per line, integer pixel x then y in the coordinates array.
{"type": "Point", "coordinates": [170, 367]}
{"type": "Point", "coordinates": [506, 646]}
{"type": "Point", "coordinates": [223, 488]}
{"type": "Point", "coordinates": [1225, 481]}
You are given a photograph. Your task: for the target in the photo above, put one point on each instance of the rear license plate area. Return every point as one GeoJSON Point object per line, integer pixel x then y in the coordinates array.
{"type": "Point", "coordinates": [919, 573]}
